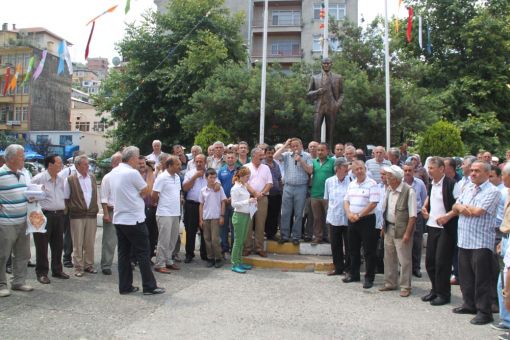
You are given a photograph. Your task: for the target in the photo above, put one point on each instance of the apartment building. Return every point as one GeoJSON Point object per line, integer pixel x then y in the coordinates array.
{"type": "Point", "coordinates": [43, 104]}
{"type": "Point", "coordinates": [294, 32]}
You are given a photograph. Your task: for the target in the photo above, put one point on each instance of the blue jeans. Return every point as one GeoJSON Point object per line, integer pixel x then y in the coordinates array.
{"type": "Point", "coordinates": [504, 315]}
{"type": "Point", "coordinates": [227, 225]}
{"type": "Point", "coordinates": [294, 197]}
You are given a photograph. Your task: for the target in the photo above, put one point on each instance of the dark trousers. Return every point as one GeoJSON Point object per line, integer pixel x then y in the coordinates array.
{"type": "Point", "coordinates": [274, 208]}
{"type": "Point", "coordinates": [363, 232]}
{"type": "Point", "coordinates": [475, 270]}
{"type": "Point", "coordinates": [191, 225]}
{"type": "Point", "coordinates": [417, 243]}
{"type": "Point", "coordinates": [134, 237]}
{"type": "Point", "coordinates": [54, 236]}
{"type": "Point", "coordinates": [152, 227]}
{"type": "Point", "coordinates": [438, 260]}
{"type": "Point", "coordinates": [68, 241]}
{"type": "Point", "coordinates": [338, 236]}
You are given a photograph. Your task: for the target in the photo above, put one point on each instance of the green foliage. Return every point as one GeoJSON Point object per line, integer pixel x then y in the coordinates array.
{"type": "Point", "coordinates": [441, 139]}
{"type": "Point", "coordinates": [6, 140]}
{"type": "Point", "coordinates": [210, 134]}
{"type": "Point", "coordinates": [482, 133]}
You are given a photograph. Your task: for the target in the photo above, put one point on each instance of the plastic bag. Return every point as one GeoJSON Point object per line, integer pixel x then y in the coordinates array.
{"type": "Point", "coordinates": [36, 221]}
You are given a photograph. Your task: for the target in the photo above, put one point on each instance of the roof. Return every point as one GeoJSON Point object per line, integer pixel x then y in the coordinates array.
{"type": "Point", "coordinates": [39, 30]}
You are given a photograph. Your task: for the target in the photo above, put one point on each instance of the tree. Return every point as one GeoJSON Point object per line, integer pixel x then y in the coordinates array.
{"type": "Point", "coordinates": [169, 57]}
{"type": "Point", "coordinates": [210, 134]}
{"type": "Point", "coordinates": [441, 139]}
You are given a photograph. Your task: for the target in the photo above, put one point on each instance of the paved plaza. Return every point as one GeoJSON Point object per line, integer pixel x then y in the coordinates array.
{"type": "Point", "coordinates": [203, 303]}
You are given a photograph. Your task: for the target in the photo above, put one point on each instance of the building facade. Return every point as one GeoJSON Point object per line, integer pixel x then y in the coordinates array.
{"type": "Point", "coordinates": [294, 32]}
{"type": "Point", "coordinates": [43, 104]}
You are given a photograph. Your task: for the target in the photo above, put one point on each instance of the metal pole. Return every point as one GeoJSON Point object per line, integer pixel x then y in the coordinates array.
{"type": "Point", "coordinates": [325, 54]}
{"type": "Point", "coordinates": [387, 75]}
{"type": "Point", "coordinates": [248, 38]}
{"type": "Point", "coordinates": [263, 82]}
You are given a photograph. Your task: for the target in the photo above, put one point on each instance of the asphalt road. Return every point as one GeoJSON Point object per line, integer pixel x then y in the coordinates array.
{"type": "Point", "coordinates": [205, 303]}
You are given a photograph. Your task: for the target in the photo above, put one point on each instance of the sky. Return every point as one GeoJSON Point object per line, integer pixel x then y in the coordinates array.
{"type": "Point", "coordinates": [68, 19]}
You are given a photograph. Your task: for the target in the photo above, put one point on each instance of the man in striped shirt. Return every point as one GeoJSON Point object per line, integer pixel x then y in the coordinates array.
{"type": "Point", "coordinates": [13, 220]}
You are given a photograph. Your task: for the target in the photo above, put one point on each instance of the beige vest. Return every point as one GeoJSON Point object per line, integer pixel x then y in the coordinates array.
{"type": "Point", "coordinates": [401, 210]}
{"type": "Point", "coordinates": [76, 204]}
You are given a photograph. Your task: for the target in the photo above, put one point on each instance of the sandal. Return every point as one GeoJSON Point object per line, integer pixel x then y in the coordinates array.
{"type": "Point", "coordinates": [78, 274]}
{"type": "Point", "coordinates": [91, 270]}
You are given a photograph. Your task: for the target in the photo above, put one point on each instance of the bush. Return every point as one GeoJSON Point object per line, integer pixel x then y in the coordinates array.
{"type": "Point", "coordinates": [210, 134]}
{"type": "Point", "coordinates": [441, 139]}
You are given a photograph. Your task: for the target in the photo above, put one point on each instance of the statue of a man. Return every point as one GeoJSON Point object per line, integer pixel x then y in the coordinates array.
{"type": "Point", "coordinates": [326, 90]}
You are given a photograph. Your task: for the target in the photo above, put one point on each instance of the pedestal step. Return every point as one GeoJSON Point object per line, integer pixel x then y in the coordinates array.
{"type": "Point", "coordinates": [305, 263]}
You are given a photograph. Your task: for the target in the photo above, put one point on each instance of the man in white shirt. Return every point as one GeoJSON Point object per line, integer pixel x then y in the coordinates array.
{"type": "Point", "coordinates": [128, 189]}
{"type": "Point", "coordinates": [53, 206]}
{"type": "Point", "coordinates": [166, 194]}
{"type": "Point", "coordinates": [375, 164]}
{"type": "Point", "coordinates": [109, 235]}
{"type": "Point", "coordinates": [156, 151]}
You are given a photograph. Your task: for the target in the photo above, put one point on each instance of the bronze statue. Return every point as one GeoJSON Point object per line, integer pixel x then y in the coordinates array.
{"type": "Point", "coordinates": [326, 89]}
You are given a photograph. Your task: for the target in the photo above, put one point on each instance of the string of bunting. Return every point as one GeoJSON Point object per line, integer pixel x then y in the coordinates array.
{"type": "Point", "coordinates": [410, 17]}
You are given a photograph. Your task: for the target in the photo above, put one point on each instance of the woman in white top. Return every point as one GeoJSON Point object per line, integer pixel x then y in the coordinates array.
{"type": "Point", "coordinates": [240, 200]}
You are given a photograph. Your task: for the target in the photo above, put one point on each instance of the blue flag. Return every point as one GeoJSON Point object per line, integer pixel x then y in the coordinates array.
{"type": "Point", "coordinates": [60, 57]}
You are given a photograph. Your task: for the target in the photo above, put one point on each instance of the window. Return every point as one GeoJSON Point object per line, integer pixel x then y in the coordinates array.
{"type": "Point", "coordinates": [42, 139]}
{"type": "Point", "coordinates": [99, 126]}
{"type": "Point", "coordinates": [24, 113]}
{"type": "Point", "coordinates": [18, 112]}
{"type": "Point", "coordinates": [286, 18]}
{"type": "Point", "coordinates": [335, 44]}
{"type": "Point", "coordinates": [83, 126]}
{"type": "Point", "coordinates": [4, 113]}
{"type": "Point", "coordinates": [316, 43]}
{"type": "Point", "coordinates": [66, 140]}
{"type": "Point", "coordinates": [285, 48]}
{"type": "Point", "coordinates": [336, 11]}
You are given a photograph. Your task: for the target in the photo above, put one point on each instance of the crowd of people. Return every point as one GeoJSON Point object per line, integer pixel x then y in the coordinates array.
{"type": "Point", "coordinates": [374, 211]}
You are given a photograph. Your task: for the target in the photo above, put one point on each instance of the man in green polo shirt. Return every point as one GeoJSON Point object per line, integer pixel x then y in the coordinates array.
{"type": "Point", "coordinates": [323, 168]}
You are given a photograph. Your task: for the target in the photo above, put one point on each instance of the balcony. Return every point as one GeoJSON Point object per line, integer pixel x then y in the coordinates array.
{"type": "Point", "coordinates": [13, 123]}
{"type": "Point", "coordinates": [282, 57]}
{"type": "Point", "coordinates": [284, 20]}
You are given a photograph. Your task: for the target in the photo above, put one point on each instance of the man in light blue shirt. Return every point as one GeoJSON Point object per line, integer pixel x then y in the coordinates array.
{"type": "Point", "coordinates": [334, 192]}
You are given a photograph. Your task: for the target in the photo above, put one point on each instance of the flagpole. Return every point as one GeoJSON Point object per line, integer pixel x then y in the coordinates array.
{"type": "Point", "coordinates": [263, 81]}
{"type": "Point", "coordinates": [325, 54]}
{"type": "Point", "coordinates": [387, 75]}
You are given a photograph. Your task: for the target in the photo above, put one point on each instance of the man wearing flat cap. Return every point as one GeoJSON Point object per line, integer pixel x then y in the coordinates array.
{"type": "Point", "coordinates": [400, 215]}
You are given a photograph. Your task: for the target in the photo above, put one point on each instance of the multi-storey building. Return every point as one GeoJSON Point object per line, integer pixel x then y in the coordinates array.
{"type": "Point", "coordinates": [99, 66]}
{"type": "Point", "coordinates": [43, 104]}
{"type": "Point", "coordinates": [86, 80]}
{"type": "Point", "coordinates": [294, 32]}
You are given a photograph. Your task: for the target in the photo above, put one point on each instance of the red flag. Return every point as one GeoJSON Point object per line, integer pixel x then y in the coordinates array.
{"type": "Point", "coordinates": [321, 26]}
{"type": "Point", "coordinates": [7, 80]}
{"type": "Point", "coordinates": [88, 42]}
{"type": "Point", "coordinates": [410, 24]}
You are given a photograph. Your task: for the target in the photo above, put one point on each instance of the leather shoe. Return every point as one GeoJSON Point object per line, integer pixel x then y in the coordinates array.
{"type": "Point", "coordinates": [155, 291]}
{"type": "Point", "coordinates": [91, 270]}
{"type": "Point", "coordinates": [481, 319]}
{"type": "Point", "coordinates": [367, 284]}
{"type": "Point", "coordinates": [188, 259]}
{"type": "Point", "coordinates": [333, 273]}
{"type": "Point", "coordinates": [43, 279]}
{"type": "Point", "coordinates": [429, 297]}
{"type": "Point", "coordinates": [246, 252]}
{"type": "Point", "coordinates": [262, 253]}
{"type": "Point", "coordinates": [282, 241]}
{"type": "Point", "coordinates": [295, 242]}
{"type": "Point", "coordinates": [107, 271]}
{"type": "Point", "coordinates": [463, 310]}
{"type": "Point", "coordinates": [349, 279]}
{"type": "Point", "coordinates": [131, 290]}
{"type": "Point", "coordinates": [405, 293]}
{"type": "Point", "coordinates": [172, 266]}
{"type": "Point", "coordinates": [162, 270]}
{"type": "Point", "coordinates": [439, 301]}
{"type": "Point", "coordinates": [68, 264]}
{"type": "Point", "coordinates": [22, 288]}
{"type": "Point", "coordinates": [417, 273]}
{"type": "Point", "coordinates": [60, 275]}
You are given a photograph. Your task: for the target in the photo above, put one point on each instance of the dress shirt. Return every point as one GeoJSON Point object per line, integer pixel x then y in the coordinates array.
{"type": "Point", "coordinates": [501, 205]}
{"type": "Point", "coordinates": [259, 176]}
{"type": "Point", "coordinates": [421, 192]}
{"type": "Point", "coordinates": [85, 185]}
{"type": "Point", "coordinates": [169, 189]}
{"type": "Point", "coordinates": [334, 192]}
{"type": "Point", "coordinates": [436, 203]}
{"type": "Point", "coordinates": [194, 193]}
{"type": "Point", "coordinates": [215, 163]}
{"type": "Point", "coordinates": [106, 191]}
{"type": "Point", "coordinates": [54, 190]}
{"type": "Point", "coordinates": [477, 232]}
{"type": "Point", "coordinates": [276, 188]}
{"type": "Point", "coordinates": [211, 200]}
{"type": "Point", "coordinates": [295, 174]}
{"type": "Point", "coordinates": [240, 198]}
{"type": "Point", "coordinates": [392, 203]}
{"type": "Point", "coordinates": [379, 217]}
{"type": "Point", "coordinates": [126, 184]}
{"type": "Point", "coordinates": [374, 168]}
{"type": "Point", "coordinates": [153, 157]}
{"type": "Point", "coordinates": [360, 195]}
{"type": "Point", "coordinates": [13, 202]}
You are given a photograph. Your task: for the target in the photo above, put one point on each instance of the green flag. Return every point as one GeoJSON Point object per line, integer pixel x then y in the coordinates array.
{"type": "Point", "coordinates": [29, 70]}
{"type": "Point", "coordinates": [128, 5]}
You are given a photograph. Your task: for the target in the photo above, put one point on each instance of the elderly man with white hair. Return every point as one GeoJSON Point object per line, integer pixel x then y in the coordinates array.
{"type": "Point", "coordinates": [216, 161]}
{"type": "Point", "coordinates": [375, 164]}
{"type": "Point", "coordinates": [156, 151]}
{"type": "Point", "coordinates": [400, 215]}
{"type": "Point", "coordinates": [13, 221]}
